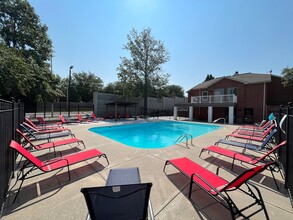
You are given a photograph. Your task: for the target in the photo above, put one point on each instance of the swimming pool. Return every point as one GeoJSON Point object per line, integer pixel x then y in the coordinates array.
{"type": "Point", "coordinates": [153, 134]}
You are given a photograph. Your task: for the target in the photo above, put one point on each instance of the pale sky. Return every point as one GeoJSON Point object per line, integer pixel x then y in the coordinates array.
{"type": "Point", "coordinates": [203, 37]}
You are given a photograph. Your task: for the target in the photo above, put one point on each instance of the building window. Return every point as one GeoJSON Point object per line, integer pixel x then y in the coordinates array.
{"type": "Point", "coordinates": [232, 90]}
{"type": "Point", "coordinates": [218, 95]}
{"type": "Point", "coordinates": [205, 95]}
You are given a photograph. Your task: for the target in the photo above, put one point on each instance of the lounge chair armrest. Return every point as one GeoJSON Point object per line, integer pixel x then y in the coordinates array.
{"type": "Point", "coordinates": [56, 160]}
{"type": "Point", "coordinates": [206, 182]}
{"type": "Point", "coordinates": [224, 168]}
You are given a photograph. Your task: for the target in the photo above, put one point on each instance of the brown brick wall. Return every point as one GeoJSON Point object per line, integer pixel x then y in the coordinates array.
{"type": "Point", "coordinates": [250, 96]}
{"type": "Point", "coordinates": [254, 97]}
{"type": "Point", "coordinates": [277, 94]}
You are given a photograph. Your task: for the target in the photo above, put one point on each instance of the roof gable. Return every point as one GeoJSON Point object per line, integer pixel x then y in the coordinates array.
{"type": "Point", "coordinates": [245, 78]}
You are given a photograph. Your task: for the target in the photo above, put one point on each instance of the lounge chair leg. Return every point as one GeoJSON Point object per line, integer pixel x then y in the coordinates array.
{"type": "Point", "coordinates": [260, 200]}
{"type": "Point", "coordinates": [18, 191]}
{"type": "Point", "coordinates": [232, 167]}
{"type": "Point", "coordinates": [22, 180]}
{"type": "Point", "coordinates": [201, 152]}
{"type": "Point", "coordinates": [166, 163]}
{"type": "Point", "coordinates": [271, 169]}
{"type": "Point", "coordinates": [83, 145]}
{"type": "Point", "coordinates": [190, 186]}
{"type": "Point", "coordinates": [68, 171]}
{"type": "Point", "coordinates": [105, 156]}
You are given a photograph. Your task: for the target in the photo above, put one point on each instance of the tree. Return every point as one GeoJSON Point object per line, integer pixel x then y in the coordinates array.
{"type": "Point", "coordinates": [13, 67]}
{"type": "Point", "coordinates": [20, 28]}
{"type": "Point", "coordinates": [209, 77]}
{"type": "Point", "coordinates": [144, 68]}
{"type": "Point", "coordinates": [174, 90]}
{"type": "Point", "coordinates": [82, 86]}
{"type": "Point", "coordinates": [287, 76]}
{"type": "Point", "coordinates": [114, 88]}
{"type": "Point", "coordinates": [27, 42]}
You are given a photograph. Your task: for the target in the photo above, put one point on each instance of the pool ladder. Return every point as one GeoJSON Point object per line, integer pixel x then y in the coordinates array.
{"type": "Point", "coordinates": [219, 120]}
{"type": "Point", "coordinates": [184, 136]}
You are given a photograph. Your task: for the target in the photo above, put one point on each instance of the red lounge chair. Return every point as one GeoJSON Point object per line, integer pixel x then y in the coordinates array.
{"type": "Point", "coordinates": [256, 127]}
{"type": "Point", "coordinates": [48, 124]}
{"type": "Point", "coordinates": [95, 118]}
{"type": "Point", "coordinates": [253, 160]}
{"type": "Point", "coordinates": [251, 137]}
{"type": "Point", "coordinates": [48, 145]}
{"type": "Point", "coordinates": [254, 133]}
{"type": "Point", "coordinates": [66, 120]}
{"type": "Point", "coordinates": [43, 124]}
{"type": "Point", "coordinates": [81, 120]}
{"type": "Point", "coordinates": [40, 131]}
{"type": "Point", "coordinates": [219, 188]}
{"type": "Point", "coordinates": [34, 163]}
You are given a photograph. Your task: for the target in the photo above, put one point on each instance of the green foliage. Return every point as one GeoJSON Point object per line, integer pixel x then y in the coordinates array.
{"type": "Point", "coordinates": [174, 90]}
{"type": "Point", "coordinates": [287, 77]}
{"type": "Point", "coordinates": [21, 29]}
{"type": "Point", "coordinates": [82, 86]}
{"type": "Point", "coordinates": [15, 74]}
{"type": "Point", "coordinates": [114, 88]}
{"type": "Point", "coordinates": [26, 49]}
{"type": "Point", "coordinates": [142, 72]}
{"type": "Point", "coordinates": [209, 77]}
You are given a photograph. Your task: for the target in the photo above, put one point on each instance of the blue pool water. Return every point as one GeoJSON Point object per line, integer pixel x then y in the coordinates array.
{"type": "Point", "coordinates": [153, 135]}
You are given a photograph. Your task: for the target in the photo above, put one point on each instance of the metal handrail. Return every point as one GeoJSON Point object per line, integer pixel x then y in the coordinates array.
{"type": "Point", "coordinates": [181, 137]}
{"type": "Point", "coordinates": [219, 120]}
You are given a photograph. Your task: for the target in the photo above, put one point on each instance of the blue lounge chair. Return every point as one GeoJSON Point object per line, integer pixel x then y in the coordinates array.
{"type": "Point", "coordinates": [48, 136]}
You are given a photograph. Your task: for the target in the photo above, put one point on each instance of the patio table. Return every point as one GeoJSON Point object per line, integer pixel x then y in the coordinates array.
{"type": "Point", "coordinates": [123, 176]}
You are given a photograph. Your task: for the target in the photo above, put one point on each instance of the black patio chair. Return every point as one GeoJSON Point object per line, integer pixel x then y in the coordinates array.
{"type": "Point", "coordinates": [123, 197]}
{"type": "Point", "coordinates": [118, 202]}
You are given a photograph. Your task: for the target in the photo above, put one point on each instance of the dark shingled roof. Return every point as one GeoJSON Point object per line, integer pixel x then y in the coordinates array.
{"type": "Point", "coordinates": [245, 78]}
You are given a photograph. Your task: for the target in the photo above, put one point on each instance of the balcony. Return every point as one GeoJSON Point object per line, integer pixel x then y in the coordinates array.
{"type": "Point", "coordinates": [215, 99]}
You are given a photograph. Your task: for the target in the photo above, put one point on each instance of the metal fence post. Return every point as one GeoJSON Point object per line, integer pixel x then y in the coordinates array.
{"type": "Point", "coordinates": [44, 105]}
{"type": "Point", "coordinates": [13, 129]}
{"type": "Point", "coordinates": [279, 119]}
{"type": "Point", "coordinates": [288, 144]}
{"type": "Point", "coordinates": [52, 109]}
{"type": "Point", "coordinates": [35, 109]}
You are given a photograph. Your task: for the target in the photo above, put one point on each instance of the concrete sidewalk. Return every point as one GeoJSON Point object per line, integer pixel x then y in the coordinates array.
{"type": "Point", "coordinates": [52, 196]}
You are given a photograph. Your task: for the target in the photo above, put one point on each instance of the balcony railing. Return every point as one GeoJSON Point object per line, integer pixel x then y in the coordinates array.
{"type": "Point", "coordinates": [231, 98]}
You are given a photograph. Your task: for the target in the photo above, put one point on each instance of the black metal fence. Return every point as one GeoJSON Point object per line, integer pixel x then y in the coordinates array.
{"type": "Point", "coordinates": [51, 109]}
{"type": "Point", "coordinates": [284, 116]}
{"type": "Point", "coordinates": [11, 115]}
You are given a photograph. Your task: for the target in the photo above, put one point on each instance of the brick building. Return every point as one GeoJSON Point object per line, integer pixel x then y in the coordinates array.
{"type": "Point", "coordinates": [240, 98]}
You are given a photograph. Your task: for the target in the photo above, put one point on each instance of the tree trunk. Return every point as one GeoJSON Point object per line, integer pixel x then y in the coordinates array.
{"type": "Point", "coordinates": [145, 106]}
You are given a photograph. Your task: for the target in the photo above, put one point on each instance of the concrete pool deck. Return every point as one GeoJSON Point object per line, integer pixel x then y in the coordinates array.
{"type": "Point", "coordinates": [52, 196]}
